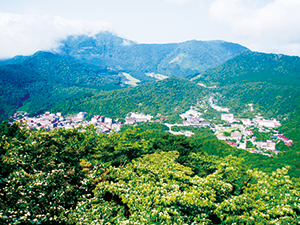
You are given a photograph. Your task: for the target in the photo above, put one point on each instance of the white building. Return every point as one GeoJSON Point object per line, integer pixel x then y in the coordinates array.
{"type": "Point", "coordinates": [190, 113]}
{"type": "Point", "coordinates": [267, 145]}
{"type": "Point", "coordinates": [246, 122]}
{"type": "Point", "coordinates": [81, 115]}
{"type": "Point", "coordinates": [236, 135]}
{"type": "Point", "coordinates": [227, 117]}
{"type": "Point", "coordinates": [107, 120]}
{"type": "Point", "coordinates": [268, 123]}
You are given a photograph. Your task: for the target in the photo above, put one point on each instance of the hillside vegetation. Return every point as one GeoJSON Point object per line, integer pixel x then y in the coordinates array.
{"type": "Point", "coordinates": [168, 97]}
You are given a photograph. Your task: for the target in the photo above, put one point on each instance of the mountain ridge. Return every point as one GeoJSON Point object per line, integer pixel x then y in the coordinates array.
{"type": "Point", "coordinates": [107, 50]}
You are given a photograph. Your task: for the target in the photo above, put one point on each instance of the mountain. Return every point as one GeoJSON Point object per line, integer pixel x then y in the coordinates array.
{"type": "Point", "coordinates": [63, 70]}
{"type": "Point", "coordinates": [254, 67]}
{"type": "Point", "coordinates": [104, 62]}
{"type": "Point", "coordinates": [105, 50]}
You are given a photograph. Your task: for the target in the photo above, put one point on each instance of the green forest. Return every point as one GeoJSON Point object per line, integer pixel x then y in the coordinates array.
{"type": "Point", "coordinates": [38, 82]}
{"type": "Point", "coordinates": [141, 175]}
{"type": "Point", "coordinates": [169, 97]}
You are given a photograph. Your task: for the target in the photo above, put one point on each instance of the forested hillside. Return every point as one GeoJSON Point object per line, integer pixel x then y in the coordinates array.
{"type": "Point", "coordinates": [168, 97]}
{"type": "Point", "coordinates": [37, 82]}
{"type": "Point", "coordinates": [136, 176]}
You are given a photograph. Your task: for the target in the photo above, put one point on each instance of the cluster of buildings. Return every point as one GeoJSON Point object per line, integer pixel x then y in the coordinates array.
{"type": "Point", "coordinates": [49, 121]}
{"type": "Point", "coordinates": [192, 119]}
{"type": "Point", "coordinates": [195, 122]}
{"type": "Point", "coordinates": [236, 132]}
{"type": "Point", "coordinates": [244, 133]}
{"type": "Point", "coordinates": [257, 122]}
{"type": "Point", "coordinates": [136, 118]}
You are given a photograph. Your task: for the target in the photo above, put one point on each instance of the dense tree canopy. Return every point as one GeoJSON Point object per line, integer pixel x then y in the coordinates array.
{"type": "Point", "coordinates": [138, 176]}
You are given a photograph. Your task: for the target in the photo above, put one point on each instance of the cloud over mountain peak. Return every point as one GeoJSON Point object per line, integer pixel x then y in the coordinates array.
{"type": "Point", "coordinates": [25, 34]}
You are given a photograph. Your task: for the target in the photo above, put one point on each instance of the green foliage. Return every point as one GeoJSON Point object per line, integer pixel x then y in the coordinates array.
{"type": "Point", "coordinates": [136, 176]}
{"type": "Point", "coordinates": [267, 200]}
{"type": "Point", "coordinates": [169, 97]}
{"type": "Point", "coordinates": [42, 175]}
{"type": "Point", "coordinates": [154, 127]}
{"type": "Point", "coordinates": [270, 82]}
{"type": "Point", "coordinates": [227, 134]}
{"type": "Point", "coordinates": [249, 144]}
{"type": "Point", "coordinates": [156, 189]}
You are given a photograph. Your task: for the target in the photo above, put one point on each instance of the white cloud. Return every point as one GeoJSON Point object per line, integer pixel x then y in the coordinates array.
{"type": "Point", "coordinates": [26, 34]}
{"type": "Point", "coordinates": [273, 26]}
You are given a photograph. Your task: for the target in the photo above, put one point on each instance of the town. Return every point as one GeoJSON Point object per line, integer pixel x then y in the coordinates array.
{"type": "Point", "coordinates": [237, 132]}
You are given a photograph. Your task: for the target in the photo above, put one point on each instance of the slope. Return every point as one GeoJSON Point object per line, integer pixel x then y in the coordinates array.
{"type": "Point", "coordinates": [17, 85]}
{"type": "Point", "coordinates": [36, 82]}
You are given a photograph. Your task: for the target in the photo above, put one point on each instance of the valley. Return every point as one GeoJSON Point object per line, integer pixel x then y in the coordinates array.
{"type": "Point", "coordinates": [104, 130]}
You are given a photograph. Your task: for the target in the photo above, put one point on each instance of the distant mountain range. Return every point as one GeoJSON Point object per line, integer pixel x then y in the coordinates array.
{"type": "Point", "coordinates": [106, 50]}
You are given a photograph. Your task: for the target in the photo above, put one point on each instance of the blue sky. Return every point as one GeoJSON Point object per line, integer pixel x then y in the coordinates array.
{"type": "Point", "coordinates": [27, 26]}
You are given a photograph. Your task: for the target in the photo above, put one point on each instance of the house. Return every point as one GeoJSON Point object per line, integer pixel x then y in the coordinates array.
{"type": "Point", "coordinates": [81, 115]}
{"type": "Point", "coordinates": [108, 120]}
{"type": "Point", "coordinates": [237, 120]}
{"type": "Point", "coordinates": [249, 132]}
{"type": "Point", "coordinates": [141, 119]}
{"type": "Point", "coordinates": [96, 119]}
{"type": "Point", "coordinates": [232, 144]}
{"type": "Point", "coordinates": [190, 113]}
{"type": "Point", "coordinates": [267, 145]}
{"type": "Point", "coordinates": [76, 120]}
{"type": "Point", "coordinates": [205, 124]}
{"type": "Point", "coordinates": [222, 137]}
{"type": "Point", "coordinates": [236, 135]}
{"type": "Point", "coordinates": [130, 121]}
{"type": "Point", "coordinates": [268, 123]}
{"type": "Point", "coordinates": [286, 141]}
{"type": "Point", "coordinates": [246, 122]}
{"type": "Point", "coordinates": [116, 126]}
{"type": "Point", "coordinates": [242, 145]}
{"type": "Point", "coordinates": [227, 117]}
